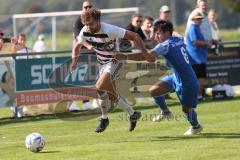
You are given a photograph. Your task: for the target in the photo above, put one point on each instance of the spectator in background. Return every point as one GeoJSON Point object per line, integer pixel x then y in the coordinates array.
{"type": "Point", "coordinates": [21, 46]}
{"type": "Point", "coordinates": [197, 48]}
{"type": "Point", "coordinates": [14, 40]}
{"type": "Point", "coordinates": [202, 7]}
{"type": "Point", "coordinates": [212, 17]}
{"type": "Point", "coordinates": [147, 27]}
{"type": "Point", "coordinates": [77, 26]}
{"type": "Point", "coordinates": [135, 25]}
{"type": "Point", "coordinates": [6, 45]}
{"type": "Point", "coordinates": [164, 14]}
{"type": "Point", "coordinates": [39, 46]}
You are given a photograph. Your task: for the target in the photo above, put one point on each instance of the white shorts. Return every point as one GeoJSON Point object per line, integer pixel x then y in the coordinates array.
{"type": "Point", "coordinates": [113, 67]}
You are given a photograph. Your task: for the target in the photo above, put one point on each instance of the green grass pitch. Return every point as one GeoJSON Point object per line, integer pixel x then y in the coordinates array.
{"type": "Point", "coordinates": [76, 140]}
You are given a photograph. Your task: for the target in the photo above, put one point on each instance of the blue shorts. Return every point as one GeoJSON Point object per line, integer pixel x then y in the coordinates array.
{"type": "Point", "coordinates": [187, 94]}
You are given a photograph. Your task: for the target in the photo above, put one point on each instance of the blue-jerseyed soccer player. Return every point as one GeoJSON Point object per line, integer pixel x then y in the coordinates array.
{"type": "Point", "coordinates": [183, 79]}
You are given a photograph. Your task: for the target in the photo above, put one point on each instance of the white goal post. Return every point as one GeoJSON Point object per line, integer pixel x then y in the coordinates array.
{"type": "Point", "coordinates": [53, 16]}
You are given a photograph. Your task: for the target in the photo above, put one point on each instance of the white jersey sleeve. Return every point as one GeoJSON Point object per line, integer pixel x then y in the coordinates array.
{"type": "Point", "coordinates": [80, 37]}
{"type": "Point", "coordinates": [113, 31]}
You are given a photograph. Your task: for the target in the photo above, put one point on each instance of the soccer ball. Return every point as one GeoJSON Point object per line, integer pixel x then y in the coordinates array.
{"type": "Point", "coordinates": [35, 142]}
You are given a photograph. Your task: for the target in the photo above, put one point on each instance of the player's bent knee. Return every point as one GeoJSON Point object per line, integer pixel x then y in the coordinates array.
{"type": "Point", "coordinates": [153, 91]}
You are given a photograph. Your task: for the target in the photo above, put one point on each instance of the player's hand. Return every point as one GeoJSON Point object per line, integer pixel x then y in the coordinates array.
{"type": "Point", "coordinates": [209, 44]}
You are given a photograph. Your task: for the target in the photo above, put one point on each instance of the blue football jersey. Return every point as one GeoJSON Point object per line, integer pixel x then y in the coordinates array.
{"type": "Point", "coordinates": [173, 49]}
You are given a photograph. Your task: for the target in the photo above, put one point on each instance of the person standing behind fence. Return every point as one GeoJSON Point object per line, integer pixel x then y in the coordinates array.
{"type": "Point", "coordinates": [197, 48]}
{"type": "Point", "coordinates": [165, 14]}
{"type": "Point", "coordinates": [147, 27]}
{"type": "Point", "coordinates": [22, 48]}
{"type": "Point", "coordinates": [205, 29]}
{"type": "Point", "coordinates": [212, 17]}
{"type": "Point", "coordinates": [6, 45]}
{"type": "Point", "coordinates": [135, 25]}
{"type": "Point", "coordinates": [39, 46]}
{"type": "Point", "coordinates": [216, 39]}
{"type": "Point", "coordinates": [202, 7]}
{"type": "Point", "coordinates": [77, 26]}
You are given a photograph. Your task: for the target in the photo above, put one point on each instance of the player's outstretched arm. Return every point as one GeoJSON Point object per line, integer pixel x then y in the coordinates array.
{"type": "Point", "coordinates": [134, 57]}
{"type": "Point", "coordinates": [136, 39]}
{"type": "Point", "coordinates": [149, 56]}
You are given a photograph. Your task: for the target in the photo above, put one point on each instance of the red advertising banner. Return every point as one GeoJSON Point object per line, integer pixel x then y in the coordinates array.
{"type": "Point", "coordinates": [54, 96]}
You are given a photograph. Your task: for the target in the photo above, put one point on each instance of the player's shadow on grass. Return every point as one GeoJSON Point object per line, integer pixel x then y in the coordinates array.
{"type": "Point", "coordinates": [6, 121]}
{"type": "Point", "coordinates": [210, 100]}
{"type": "Point", "coordinates": [84, 116]}
{"type": "Point", "coordinates": [200, 136]}
{"type": "Point", "coordinates": [221, 135]}
{"type": "Point", "coordinates": [171, 104]}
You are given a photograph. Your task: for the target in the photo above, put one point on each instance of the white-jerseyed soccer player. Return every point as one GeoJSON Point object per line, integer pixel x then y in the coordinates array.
{"type": "Point", "coordinates": [101, 37]}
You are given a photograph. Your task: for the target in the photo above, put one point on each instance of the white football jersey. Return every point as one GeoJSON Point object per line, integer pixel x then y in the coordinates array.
{"type": "Point", "coordinates": [104, 41]}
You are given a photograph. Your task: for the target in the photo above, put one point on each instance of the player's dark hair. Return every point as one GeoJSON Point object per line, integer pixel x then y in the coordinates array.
{"type": "Point", "coordinates": [92, 13]}
{"type": "Point", "coordinates": [164, 26]}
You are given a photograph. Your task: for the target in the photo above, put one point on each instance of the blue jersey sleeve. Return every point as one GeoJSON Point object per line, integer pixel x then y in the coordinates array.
{"type": "Point", "coordinates": [161, 48]}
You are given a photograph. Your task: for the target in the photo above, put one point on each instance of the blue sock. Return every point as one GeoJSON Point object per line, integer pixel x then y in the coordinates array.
{"type": "Point", "coordinates": [192, 118]}
{"type": "Point", "coordinates": [160, 101]}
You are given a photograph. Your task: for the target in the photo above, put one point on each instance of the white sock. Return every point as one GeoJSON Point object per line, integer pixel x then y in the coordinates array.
{"type": "Point", "coordinates": [104, 116]}
{"type": "Point", "coordinates": [104, 104]}
{"type": "Point", "coordinates": [122, 102]}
